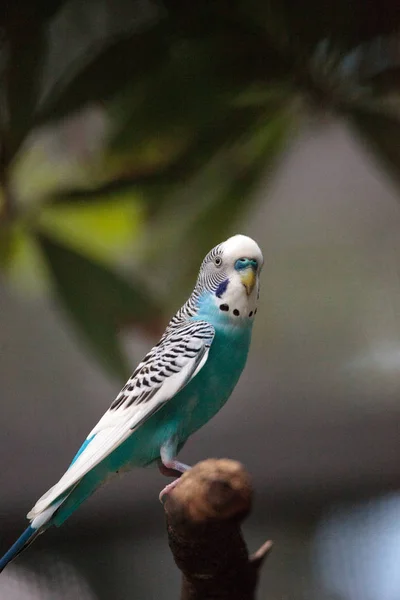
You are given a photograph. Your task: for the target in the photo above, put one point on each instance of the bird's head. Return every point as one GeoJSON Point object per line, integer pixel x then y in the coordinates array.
{"type": "Point", "coordinates": [230, 273]}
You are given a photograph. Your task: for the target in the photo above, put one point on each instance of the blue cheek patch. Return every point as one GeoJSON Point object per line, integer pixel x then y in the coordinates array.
{"type": "Point", "coordinates": [221, 289]}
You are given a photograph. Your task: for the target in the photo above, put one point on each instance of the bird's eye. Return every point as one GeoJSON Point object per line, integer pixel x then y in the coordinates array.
{"type": "Point", "coordinates": [218, 261]}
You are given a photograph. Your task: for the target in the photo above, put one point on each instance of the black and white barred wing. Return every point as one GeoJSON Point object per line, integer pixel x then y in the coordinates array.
{"type": "Point", "coordinates": [165, 370]}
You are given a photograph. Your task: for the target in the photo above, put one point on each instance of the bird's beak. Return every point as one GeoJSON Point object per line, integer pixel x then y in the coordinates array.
{"type": "Point", "coordinates": [249, 279]}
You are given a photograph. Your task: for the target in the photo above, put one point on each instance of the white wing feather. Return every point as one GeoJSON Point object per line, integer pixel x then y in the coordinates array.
{"type": "Point", "coordinates": [174, 361]}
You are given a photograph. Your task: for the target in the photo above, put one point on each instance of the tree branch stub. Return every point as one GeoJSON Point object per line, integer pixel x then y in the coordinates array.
{"type": "Point", "coordinates": [204, 513]}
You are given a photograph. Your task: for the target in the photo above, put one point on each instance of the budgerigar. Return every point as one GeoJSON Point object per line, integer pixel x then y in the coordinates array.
{"type": "Point", "coordinates": [180, 384]}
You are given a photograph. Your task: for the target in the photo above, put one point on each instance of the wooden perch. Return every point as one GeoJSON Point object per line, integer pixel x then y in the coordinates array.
{"type": "Point", "coordinates": [204, 512]}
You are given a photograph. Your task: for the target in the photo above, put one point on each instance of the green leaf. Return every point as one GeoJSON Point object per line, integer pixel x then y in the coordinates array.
{"type": "Point", "coordinates": [134, 186]}
{"type": "Point", "coordinates": [102, 72]}
{"type": "Point", "coordinates": [101, 230]}
{"type": "Point", "coordinates": [6, 246]}
{"type": "Point", "coordinates": [99, 301]}
{"type": "Point", "coordinates": [21, 260]}
{"type": "Point", "coordinates": [189, 99]}
{"type": "Point", "coordinates": [27, 51]}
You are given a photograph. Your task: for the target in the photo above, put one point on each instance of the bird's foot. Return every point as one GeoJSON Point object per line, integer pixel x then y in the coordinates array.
{"type": "Point", "coordinates": [171, 468]}
{"type": "Point", "coordinates": [168, 472]}
{"type": "Point", "coordinates": [168, 488]}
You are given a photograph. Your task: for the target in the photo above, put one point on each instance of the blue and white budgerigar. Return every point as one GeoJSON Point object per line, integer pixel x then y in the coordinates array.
{"type": "Point", "coordinates": [180, 384]}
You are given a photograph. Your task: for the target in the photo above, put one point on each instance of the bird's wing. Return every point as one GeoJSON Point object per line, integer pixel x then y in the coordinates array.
{"type": "Point", "coordinates": [165, 370]}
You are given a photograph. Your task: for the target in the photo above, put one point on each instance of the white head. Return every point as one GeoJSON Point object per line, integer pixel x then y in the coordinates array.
{"type": "Point", "coordinates": [231, 272]}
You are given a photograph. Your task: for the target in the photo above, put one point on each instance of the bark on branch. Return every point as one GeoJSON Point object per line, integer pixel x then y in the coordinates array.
{"type": "Point", "coordinates": [204, 513]}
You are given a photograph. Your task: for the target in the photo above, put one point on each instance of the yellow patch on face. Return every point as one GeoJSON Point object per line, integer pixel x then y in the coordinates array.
{"type": "Point", "coordinates": [248, 278]}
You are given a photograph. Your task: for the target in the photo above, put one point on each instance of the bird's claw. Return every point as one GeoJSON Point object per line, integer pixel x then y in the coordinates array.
{"type": "Point", "coordinates": [167, 489]}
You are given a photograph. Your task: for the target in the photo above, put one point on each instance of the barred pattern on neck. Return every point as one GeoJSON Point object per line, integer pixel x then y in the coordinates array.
{"type": "Point", "coordinates": [206, 282]}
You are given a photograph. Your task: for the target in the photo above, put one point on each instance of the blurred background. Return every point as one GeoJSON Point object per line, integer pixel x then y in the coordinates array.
{"type": "Point", "coordinates": [135, 135]}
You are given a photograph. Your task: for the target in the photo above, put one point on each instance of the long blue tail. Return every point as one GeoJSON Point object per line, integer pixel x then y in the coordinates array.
{"type": "Point", "coordinates": [22, 542]}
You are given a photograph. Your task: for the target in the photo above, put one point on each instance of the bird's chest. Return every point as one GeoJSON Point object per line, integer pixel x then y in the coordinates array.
{"type": "Point", "coordinates": [226, 359]}
{"type": "Point", "coordinates": [203, 397]}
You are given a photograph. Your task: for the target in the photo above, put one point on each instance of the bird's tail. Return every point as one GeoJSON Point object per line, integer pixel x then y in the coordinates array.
{"type": "Point", "coordinates": [38, 525]}
{"type": "Point", "coordinates": [55, 512]}
{"type": "Point", "coordinates": [29, 535]}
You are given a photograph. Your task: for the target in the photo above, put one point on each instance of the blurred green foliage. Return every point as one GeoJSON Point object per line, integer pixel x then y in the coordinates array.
{"type": "Point", "coordinates": [132, 129]}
